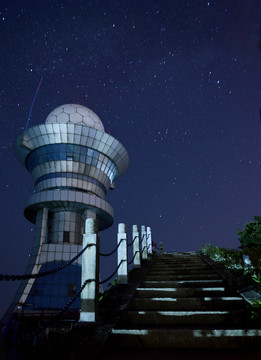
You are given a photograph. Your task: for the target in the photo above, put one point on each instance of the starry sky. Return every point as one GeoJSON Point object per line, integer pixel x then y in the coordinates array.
{"type": "Point", "coordinates": [176, 81]}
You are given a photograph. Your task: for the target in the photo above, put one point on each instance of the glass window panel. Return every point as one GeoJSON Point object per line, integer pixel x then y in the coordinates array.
{"type": "Point", "coordinates": [66, 236]}
{"type": "Point", "coordinates": [101, 157]}
{"type": "Point", "coordinates": [56, 152]}
{"type": "Point", "coordinates": [70, 148]}
{"type": "Point", "coordinates": [83, 158]}
{"type": "Point", "coordinates": [94, 161]}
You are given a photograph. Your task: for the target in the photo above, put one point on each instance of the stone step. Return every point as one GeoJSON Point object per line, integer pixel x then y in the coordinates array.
{"type": "Point", "coordinates": [186, 338]}
{"type": "Point", "coordinates": [172, 271]}
{"type": "Point", "coordinates": [178, 259]}
{"type": "Point", "coordinates": [166, 318]}
{"type": "Point", "coordinates": [180, 266]}
{"type": "Point", "coordinates": [182, 292]}
{"type": "Point", "coordinates": [183, 304]}
{"type": "Point", "coordinates": [182, 283]}
{"type": "Point", "coordinates": [180, 263]}
{"type": "Point", "coordinates": [191, 276]}
{"type": "Point", "coordinates": [192, 303]}
{"type": "Point", "coordinates": [181, 270]}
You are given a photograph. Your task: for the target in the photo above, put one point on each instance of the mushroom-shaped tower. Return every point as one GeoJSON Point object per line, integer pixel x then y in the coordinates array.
{"type": "Point", "coordinates": [73, 163]}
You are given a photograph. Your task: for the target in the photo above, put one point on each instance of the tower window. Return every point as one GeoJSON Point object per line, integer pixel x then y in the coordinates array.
{"type": "Point", "coordinates": [69, 157]}
{"type": "Point", "coordinates": [66, 236]}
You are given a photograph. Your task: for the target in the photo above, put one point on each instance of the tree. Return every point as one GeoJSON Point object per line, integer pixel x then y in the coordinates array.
{"type": "Point", "coordinates": [251, 235]}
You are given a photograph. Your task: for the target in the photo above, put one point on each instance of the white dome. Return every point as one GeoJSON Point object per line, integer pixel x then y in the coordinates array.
{"type": "Point", "coordinates": [74, 114]}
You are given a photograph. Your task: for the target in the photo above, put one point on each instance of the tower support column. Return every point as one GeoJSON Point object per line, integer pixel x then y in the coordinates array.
{"type": "Point", "coordinates": [40, 235]}
{"type": "Point", "coordinates": [33, 266]}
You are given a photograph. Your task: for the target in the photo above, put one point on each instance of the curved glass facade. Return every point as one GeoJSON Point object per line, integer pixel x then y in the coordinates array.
{"type": "Point", "coordinates": [70, 175]}
{"type": "Point", "coordinates": [56, 290]}
{"type": "Point", "coordinates": [71, 152]}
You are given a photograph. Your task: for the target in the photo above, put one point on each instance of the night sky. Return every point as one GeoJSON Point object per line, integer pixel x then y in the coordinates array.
{"type": "Point", "coordinates": [177, 82]}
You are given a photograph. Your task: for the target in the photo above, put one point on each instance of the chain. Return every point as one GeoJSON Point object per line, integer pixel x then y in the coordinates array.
{"type": "Point", "coordinates": [108, 254]}
{"type": "Point", "coordinates": [34, 276]}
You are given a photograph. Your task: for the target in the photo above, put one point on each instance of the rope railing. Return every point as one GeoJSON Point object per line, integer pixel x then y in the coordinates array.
{"type": "Point", "coordinates": [78, 293]}
{"type": "Point", "coordinates": [143, 249]}
{"type": "Point", "coordinates": [56, 317]}
{"type": "Point", "coordinates": [142, 238]}
{"type": "Point", "coordinates": [140, 244]}
{"type": "Point", "coordinates": [89, 295]}
{"type": "Point", "coordinates": [131, 261]}
{"type": "Point", "coordinates": [108, 278]}
{"type": "Point", "coordinates": [130, 244]}
{"type": "Point", "coordinates": [46, 273]}
{"type": "Point", "coordinates": [113, 251]}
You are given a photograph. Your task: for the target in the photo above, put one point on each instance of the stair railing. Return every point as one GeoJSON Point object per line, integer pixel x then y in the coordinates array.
{"type": "Point", "coordinates": [90, 262]}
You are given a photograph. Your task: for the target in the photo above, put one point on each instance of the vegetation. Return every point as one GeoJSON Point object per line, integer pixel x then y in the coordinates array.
{"type": "Point", "coordinates": [110, 285]}
{"type": "Point", "coordinates": [233, 260]}
{"type": "Point", "coordinates": [250, 270]}
{"type": "Point", "coordinates": [251, 235]}
{"type": "Point", "coordinates": [245, 262]}
{"type": "Point", "coordinates": [255, 310]}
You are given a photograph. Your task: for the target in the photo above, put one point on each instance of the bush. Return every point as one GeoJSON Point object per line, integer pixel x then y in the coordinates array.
{"type": "Point", "coordinates": [231, 259]}
{"type": "Point", "coordinates": [251, 235]}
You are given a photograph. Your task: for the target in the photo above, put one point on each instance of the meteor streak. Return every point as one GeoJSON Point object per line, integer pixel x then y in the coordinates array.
{"type": "Point", "coordinates": [31, 108]}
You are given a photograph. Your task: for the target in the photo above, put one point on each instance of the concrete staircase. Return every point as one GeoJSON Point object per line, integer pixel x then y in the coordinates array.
{"type": "Point", "coordinates": [184, 304]}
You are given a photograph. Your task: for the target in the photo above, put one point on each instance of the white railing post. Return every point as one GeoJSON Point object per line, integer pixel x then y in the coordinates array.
{"type": "Point", "coordinates": [149, 240]}
{"type": "Point", "coordinates": [144, 249]}
{"type": "Point", "coordinates": [90, 271]}
{"type": "Point", "coordinates": [122, 255]}
{"type": "Point", "coordinates": [136, 245]}
{"type": "Point", "coordinates": [161, 247]}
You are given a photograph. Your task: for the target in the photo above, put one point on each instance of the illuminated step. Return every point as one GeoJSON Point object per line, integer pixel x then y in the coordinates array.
{"type": "Point", "coordinates": [180, 317]}
{"type": "Point", "coordinates": [191, 276]}
{"type": "Point", "coordinates": [180, 266]}
{"type": "Point", "coordinates": [192, 303]}
{"type": "Point", "coordinates": [179, 292]}
{"type": "Point", "coordinates": [182, 283]}
{"type": "Point", "coordinates": [179, 258]}
{"type": "Point", "coordinates": [172, 271]}
{"type": "Point", "coordinates": [186, 338]}
{"type": "Point", "coordinates": [179, 263]}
